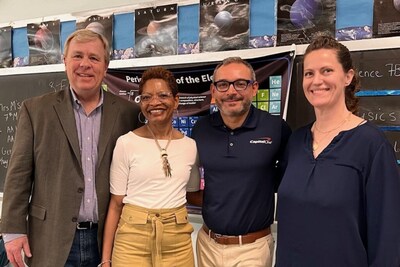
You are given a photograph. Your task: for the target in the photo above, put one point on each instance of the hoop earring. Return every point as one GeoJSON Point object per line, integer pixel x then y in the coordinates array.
{"type": "Point", "coordinates": [144, 120]}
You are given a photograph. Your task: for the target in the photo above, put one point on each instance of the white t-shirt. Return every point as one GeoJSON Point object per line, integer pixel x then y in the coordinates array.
{"type": "Point", "coordinates": [136, 171]}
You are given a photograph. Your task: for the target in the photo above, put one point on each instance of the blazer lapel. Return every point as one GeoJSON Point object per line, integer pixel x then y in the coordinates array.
{"type": "Point", "coordinates": [110, 112]}
{"type": "Point", "coordinates": [65, 113]}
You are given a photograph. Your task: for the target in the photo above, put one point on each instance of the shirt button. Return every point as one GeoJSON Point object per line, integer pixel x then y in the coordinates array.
{"type": "Point", "coordinates": [88, 158]}
{"type": "Point", "coordinates": [80, 190]}
{"type": "Point", "coordinates": [232, 133]}
{"type": "Point", "coordinates": [231, 144]}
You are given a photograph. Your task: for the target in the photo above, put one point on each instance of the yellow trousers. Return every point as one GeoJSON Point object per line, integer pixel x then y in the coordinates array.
{"type": "Point", "coordinates": [153, 238]}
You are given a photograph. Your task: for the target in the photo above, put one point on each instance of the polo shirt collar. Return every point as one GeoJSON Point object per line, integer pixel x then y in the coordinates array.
{"type": "Point", "coordinates": [249, 122]}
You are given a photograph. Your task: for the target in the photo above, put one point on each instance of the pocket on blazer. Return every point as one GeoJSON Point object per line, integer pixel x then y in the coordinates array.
{"type": "Point", "coordinates": [38, 212]}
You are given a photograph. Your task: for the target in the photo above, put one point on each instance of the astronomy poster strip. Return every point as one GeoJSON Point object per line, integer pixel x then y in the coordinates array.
{"type": "Point", "coordinates": [386, 18]}
{"type": "Point", "coordinates": [6, 47]}
{"type": "Point", "coordinates": [100, 24]}
{"type": "Point", "coordinates": [299, 21]}
{"type": "Point", "coordinates": [44, 43]}
{"type": "Point", "coordinates": [351, 27]}
{"type": "Point", "coordinates": [156, 31]}
{"type": "Point", "coordinates": [224, 25]}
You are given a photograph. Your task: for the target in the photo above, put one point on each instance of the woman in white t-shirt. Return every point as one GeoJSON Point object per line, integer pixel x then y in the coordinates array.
{"type": "Point", "coordinates": [152, 169]}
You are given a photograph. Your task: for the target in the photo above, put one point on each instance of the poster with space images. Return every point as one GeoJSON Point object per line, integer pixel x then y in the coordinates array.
{"type": "Point", "coordinates": [100, 24]}
{"type": "Point", "coordinates": [386, 21]}
{"type": "Point", "coordinates": [156, 31]}
{"type": "Point", "coordinates": [44, 43]}
{"type": "Point", "coordinates": [6, 47]}
{"type": "Point", "coordinates": [299, 21]}
{"type": "Point", "coordinates": [262, 24]}
{"type": "Point", "coordinates": [350, 27]}
{"type": "Point", "coordinates": [224, 25]}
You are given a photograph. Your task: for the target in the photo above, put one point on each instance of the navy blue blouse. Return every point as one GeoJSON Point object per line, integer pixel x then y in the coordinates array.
{"type": "Point", "coordinates": [343, 207]}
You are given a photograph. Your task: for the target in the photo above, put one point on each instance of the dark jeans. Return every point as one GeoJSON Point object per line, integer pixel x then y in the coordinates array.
{"type": "Point", "coordinates": [84, 251]}
{"type": "Point", "coordinates": [3, 255]}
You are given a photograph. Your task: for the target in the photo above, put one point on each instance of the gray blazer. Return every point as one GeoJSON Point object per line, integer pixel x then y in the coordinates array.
{"type": "Point", "coordinates": [44, 182]}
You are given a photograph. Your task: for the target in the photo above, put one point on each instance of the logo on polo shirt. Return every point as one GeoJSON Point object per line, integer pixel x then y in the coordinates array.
{"type": "Point", "coordinates": [262, 140]}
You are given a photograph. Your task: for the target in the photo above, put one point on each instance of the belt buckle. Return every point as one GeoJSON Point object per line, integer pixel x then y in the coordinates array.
{"type": "Point", "coordinates": [217, 235]}
{"type": "Point", "coordinates": [221, 239]}
{"type": "Point", "coordinates": [84, 228]}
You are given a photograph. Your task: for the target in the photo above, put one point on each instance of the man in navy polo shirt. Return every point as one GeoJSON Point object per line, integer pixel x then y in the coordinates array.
{"type": "Point", "coordinates": [239, 148]}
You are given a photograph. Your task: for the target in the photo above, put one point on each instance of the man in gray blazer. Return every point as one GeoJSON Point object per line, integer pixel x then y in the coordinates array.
{"type": "Point", "coordinates": [57, 185]}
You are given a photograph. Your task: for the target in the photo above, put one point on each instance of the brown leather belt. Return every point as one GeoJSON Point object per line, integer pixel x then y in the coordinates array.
{"type": "Point", "coordinates": [235, 240]}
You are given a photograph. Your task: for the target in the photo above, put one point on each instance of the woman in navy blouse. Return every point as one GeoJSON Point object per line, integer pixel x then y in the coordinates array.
{"type": "Point", "coordinates": [339, 200]}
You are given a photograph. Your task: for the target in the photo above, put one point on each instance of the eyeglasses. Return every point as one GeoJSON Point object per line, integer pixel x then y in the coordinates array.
{"type": "Point", "coordinates": [161, 96]}
{"type": "Point", "coordinates": [239, 85]}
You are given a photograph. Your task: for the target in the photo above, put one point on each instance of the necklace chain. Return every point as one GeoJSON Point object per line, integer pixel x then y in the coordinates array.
{"type": "Point", "coordinates": [164, 155]}
{"type": "Point", "coordinates": [316, 143]}
{"type": "Point", "coordinates": [335, 128]}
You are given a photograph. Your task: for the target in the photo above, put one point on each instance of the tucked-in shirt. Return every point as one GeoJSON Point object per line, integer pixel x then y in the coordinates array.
{"type": "Point", "coordinates": [88, 129]}
{"type": "Point", "coordinates": [240, 170]}
{"type": "Point", "coordinates": [137, 171]}
{"type": "Point", "coordinates": [343, 207]}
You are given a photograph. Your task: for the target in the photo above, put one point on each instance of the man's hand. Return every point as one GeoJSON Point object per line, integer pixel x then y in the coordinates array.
{"type": "Point", "coordinates": [14, 249]}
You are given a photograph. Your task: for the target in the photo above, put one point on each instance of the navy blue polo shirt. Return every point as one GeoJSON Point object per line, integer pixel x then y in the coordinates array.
{"type": "Point", "coordinates": [240, 170]}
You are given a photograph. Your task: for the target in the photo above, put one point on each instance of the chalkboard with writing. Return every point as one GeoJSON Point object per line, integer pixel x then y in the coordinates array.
{"type": "Point", "coordinates": [13, 90]}
{"type": "Point", "coordinates": [379, 72]}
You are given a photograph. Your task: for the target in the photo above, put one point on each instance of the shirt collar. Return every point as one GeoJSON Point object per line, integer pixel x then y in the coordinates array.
{"type": "Point", "coordinates": [77, 103]}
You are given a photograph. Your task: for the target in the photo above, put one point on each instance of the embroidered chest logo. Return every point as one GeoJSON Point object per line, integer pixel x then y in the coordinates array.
{"type": "Point", "coordinates": [262, 140]}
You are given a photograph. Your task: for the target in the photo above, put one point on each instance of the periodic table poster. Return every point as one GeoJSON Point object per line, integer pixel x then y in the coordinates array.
{"type": "Point", "coordinates": [194, 80]}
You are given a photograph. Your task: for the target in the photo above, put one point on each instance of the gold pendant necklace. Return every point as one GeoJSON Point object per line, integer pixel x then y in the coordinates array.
{"type": "Point", "coordinates": [316, 143]}
{"type": "Point", "coordinates": [164, 155]}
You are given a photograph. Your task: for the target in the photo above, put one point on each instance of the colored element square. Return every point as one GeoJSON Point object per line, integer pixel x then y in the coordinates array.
{"type": "Point", "coordinates": [193, 120]}
{"type": "Point", "coordinates": [275, 94]}
{"type": "Point", "coordinates": [183, 122]}
{"type": "Point", "coordinates": [275, 107]}
{"type": "Point", "coordinates": [275, 81]}
{"type": "Point", "coordinates": [213, 108]}
{"type": "Point", "coordinates": [263, 95]}
{"type": "Point", "coordinates": [175, 122]}
{"type": "Point", "coordinates": [185, 131]}
{"type": "Point", "coordinates": [262, 106]}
